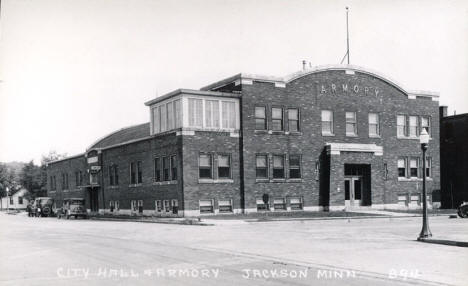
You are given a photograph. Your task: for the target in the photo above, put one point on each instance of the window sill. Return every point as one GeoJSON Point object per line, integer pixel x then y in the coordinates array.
{"type": "Point", "coordinates": [260, 131]}
{"type": "Point", "coordinates": [374, 136]}
{"type": "Point", "coordinates": [212, 181]}
{"type": "Point", "coordinates": [113, 187]}
{"type": "Point", "coordinates": [413, 179]}
{"type": "Point", "coordinates": [351, 135]}
{"type": "Point", "coordinates": [328, 134]}
{"type": "Point", "coordinates": [276, 132]}
{"type": "Point", "coordinates": [134, 185]}
{"type": "Point", "coordinates": [295, 180]}
{"type": "Point", "coordinates": [296, 133]}
{"type": "Point", "coordinates": [172, 182]}
{"type": "Point", "coordinates": [408, 137]}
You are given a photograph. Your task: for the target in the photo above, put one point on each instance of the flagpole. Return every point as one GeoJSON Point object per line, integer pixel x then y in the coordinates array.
{"type": "Point", "coordinates": [347, 34]}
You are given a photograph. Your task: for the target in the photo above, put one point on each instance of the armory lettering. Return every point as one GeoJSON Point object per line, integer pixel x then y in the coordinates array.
{"type": "Point", "coordinates": [334, 88]}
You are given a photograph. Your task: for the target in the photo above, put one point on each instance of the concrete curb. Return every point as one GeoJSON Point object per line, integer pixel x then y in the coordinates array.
{"type": "Point", "coordinates": [444, 242]}
{"type": "Point", "coordinates": [181, 222]}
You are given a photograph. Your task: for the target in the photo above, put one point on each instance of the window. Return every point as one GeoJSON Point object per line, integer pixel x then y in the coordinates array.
{"type": "Point", "coordinates": [111, 206]}
{"type": "Point", "coordinates": [133, 174]}
{"type": "Point", "coordinates": [157, 169]}
{"type": "Point", "coordinates": [402, 199]}
{"type": "Point", "coordinates": [117, 207]}
{"type": "Point", "coordinates": [374, 128]}
{"type": "Point", "coordinates": [170, 116]}
{"type": "Point", "coordinates": [224, 166]}
{"type": "Point", "coordinates": [55, 182]}
{"type": "Point", "coordinates": [205, 170]}
{"type": "Point", "coordinates": [81, 178]}
{"type": "Point", "coordinates": [140, 173]}
{"type": "Point", "coordinates": [295, 203]}
{"type": "Point", "coordinates": [11, 201]}
{"type": "Point", "coordinates": [225, 206]}
{"type": "Point", "coordinates": [401, 126]}
{"type": "Point", "coordinates": [195, 115]}
{"type": "Point", "coordinates": [111, 175]}
{"type": "Point", "coordinates": [327, 122]}
{"type": "Point", "coordinates": [173, 168]}
{"type": "Point", "coordinates": [277, 119]}
{"type": "Point", "coordinates": [413, 126]}
{"type": "Point", "coordinates": [206, 206]}
{"type": "Point", "coordinates": [177, 114]}
{"type": "Point", "coordinates": [228, 114]}
{"type": "Point", "coordinates": [278, 166]}
{"type": "Point", "coordinates": [294, 166]}
{"type": "Point", "coordinates": [212, 113]}
{"type": "Point", "coordinates": [414, 199]}
{"type": "Point", "coordinates": [401, 168]}
{"type": "Point", "coordinates": [426, 123]}
{"type": "Point", "coordinates": [260, 118]}
{"type": "Point", "coordinates": [158, 206]}
{"type": "Point", "coordinates": [293, 119]}
{"type": "Point", "coordinates": [262, 166]}
{"type": "Point", "coordinates": [66, 180]}
{"type": "Point", "coordinates": [133, 206]}
{"type": "Point", "coordinates": [175, 206]}
{"type": "Point", "coordinates": [51, 183]}
{"type": "Point", "coordinates": [167, 206]}
{"type": "Point", "coordinates": [428, 167]}
{"type": "Point", "coordinates": [140, 206]}
{"type": "Point", "coordinates": [156, 120]}
{"type": "Point", "coordinates": [93, 179]}
{"type": "Point", "coordinates": [162, 111]}
{"type": "Point", "coordinates": [166, 169]}
{"type": "Point", "coordinates": [261, 206]}
{"type": "Point", "coordinates": [414, 167]}
{"type": "Point", "coordinates": [279, 204]}
{"type": "Point", "coordinates": [351, 128]}
{"type": "Point", "coordinates": [116, 175]}
{"type": "Point", "coordinates": [77, 180]}
{"type": "Point", "coordinates": [20, 200]}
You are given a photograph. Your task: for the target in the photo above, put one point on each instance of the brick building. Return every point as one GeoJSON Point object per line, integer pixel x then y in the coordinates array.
{"type": "Point", "coordinates": [326, 138]}
{"type": "Point", "coordinates": [454, 158]}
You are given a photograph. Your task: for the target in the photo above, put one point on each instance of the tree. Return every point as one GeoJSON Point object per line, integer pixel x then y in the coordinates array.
{"type": "Point", "coordinates": [31, 179]}
{"type": "Point", "coordinates": [52, 156]}
{"type": "Point", "coordinates": [7, 180]}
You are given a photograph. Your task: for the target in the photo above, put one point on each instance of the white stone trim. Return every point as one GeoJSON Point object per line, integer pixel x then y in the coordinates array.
{"type": "Point", "coordinates": [185, 132]}
{"type": "Point", "coordinates": [313, 208]}
{"type": "Point", "coordinates": [336, 148]}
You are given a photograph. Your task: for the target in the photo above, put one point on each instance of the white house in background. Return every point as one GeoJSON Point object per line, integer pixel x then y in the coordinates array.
{"type": "Point", "coordinates": [15, 201]}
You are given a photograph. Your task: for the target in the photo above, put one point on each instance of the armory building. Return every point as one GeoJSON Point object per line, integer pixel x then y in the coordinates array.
{"type": "Point", "coordinates": [326, 138]}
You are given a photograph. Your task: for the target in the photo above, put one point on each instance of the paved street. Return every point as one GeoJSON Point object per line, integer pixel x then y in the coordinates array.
{"type": "Point", "coordinates": [48, 251]}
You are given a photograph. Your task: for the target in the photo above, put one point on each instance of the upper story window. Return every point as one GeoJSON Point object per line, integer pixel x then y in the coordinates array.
{"type": "Point", "coordinates": [351, 126]}
{"type": "Point", "coordinates": [261, 166]}
{"type": "Point", "coordinates": [293, 119]}
{"type": "Point", "coordinates": [294, 166]}
{"type": "Point", "coordinates": [428, 167]}
{"type": "Point", "coordinates": [228, 114]}
{"type": "Point", "coordinates": [157, 169]}
{"type": "Point", "coordinates": [401, 125]}
{"type": "Point", "coordinates": [224, 166]}
{"type": "Point", "coordinates": [401, 168]}
{"type": "Point", "coordinates": [212, 113]}
{"type": "Point", "coordinates": [113, 175]}
{"type": "Point", "coordinates": [166, 116]}
{"type": "Point", "coordinates": [260, 118]}
{"type": "Point", "coordinates": [413, 126]}
{"type": "Point", "coordinates": [195, 112]}
{"type": "Point", "coordinates": [277, 119]}
{"type": "Point", "coordinates": [414, 162]}
{"type": "Point", "coordinates": [173, 167]}
{"type": "Point", "coordinates": [327, 122]}
{"type": "Point", "coordinates": [166, 168]}
{"type": "Point", "coordinates": [205, 166]}
{"type": "Point", "coordinates": [136, 176]}
{"type": "Point", "coordinates": [278, 166]}
{"type": "Point", "coordinates": [426, 124]}
{"type": "Point", "coordinates": [374, 126]}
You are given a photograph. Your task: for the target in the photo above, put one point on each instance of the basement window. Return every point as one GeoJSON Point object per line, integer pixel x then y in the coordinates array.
{"type": "Point", "coordinates": [206, 206]}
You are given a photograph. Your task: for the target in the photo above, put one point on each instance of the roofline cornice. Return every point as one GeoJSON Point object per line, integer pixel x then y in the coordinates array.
{"type": "Point", "coordinates": [282, 81]}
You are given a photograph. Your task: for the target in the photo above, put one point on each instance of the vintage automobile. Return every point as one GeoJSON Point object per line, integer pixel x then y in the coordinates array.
{"type": "Point", "coordinates": [463, 210]}
{"type": "Point", "coordinates": [42, 206]}
{"type": "Point", "coordinates": [72, 207]}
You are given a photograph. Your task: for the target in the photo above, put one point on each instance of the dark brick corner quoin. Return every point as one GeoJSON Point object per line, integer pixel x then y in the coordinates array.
{"type": "Point", "coordinates": [326, 138]}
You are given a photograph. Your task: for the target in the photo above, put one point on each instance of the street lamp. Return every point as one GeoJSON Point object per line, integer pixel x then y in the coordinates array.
{"type": "Point", "coordinates": [424, 140]}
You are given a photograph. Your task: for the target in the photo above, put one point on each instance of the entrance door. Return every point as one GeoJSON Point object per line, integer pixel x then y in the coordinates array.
{"type": "Point", "coordinates": [93, 200]}
{"type": "Point", "coordinates": [353, 191]}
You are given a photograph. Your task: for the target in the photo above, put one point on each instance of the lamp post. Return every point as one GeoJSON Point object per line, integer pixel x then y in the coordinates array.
{"type": "Point", "coordinates": [424, 140]}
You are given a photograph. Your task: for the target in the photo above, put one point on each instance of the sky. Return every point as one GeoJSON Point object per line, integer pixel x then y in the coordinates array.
{"type": "Point", "coordinates": [73, 71]}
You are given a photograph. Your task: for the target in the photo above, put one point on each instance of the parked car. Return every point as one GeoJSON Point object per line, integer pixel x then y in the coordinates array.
{"type": "Point", "coordinates": [72, 207]}
{"type": "Point", "coordinates": [463, 210]}
{"type": "Point", "coordinates": [42, 206]}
